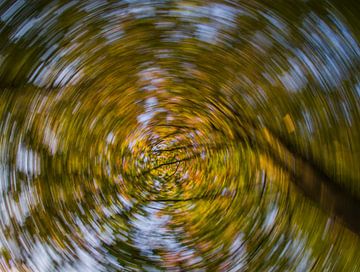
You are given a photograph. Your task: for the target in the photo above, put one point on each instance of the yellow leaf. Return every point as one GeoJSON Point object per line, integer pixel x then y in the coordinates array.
{"type": "Point", "coordinates": [289, 123]}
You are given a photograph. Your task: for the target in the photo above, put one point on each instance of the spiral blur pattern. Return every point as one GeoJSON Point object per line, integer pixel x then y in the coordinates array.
{"type": "Point", "coordinates": [187, 135]}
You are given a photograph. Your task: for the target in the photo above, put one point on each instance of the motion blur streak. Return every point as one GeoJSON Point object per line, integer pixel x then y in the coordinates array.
{"type": "Point", "coordinates": [186, 135]}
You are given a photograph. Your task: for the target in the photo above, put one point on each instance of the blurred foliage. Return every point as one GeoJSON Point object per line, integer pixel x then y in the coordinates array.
{"type": "Point", "coordinates": [179, 135]}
